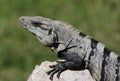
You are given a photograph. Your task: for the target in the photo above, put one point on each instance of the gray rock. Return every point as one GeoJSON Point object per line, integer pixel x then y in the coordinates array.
{"type": "Point", "coordinates": [39, 74]}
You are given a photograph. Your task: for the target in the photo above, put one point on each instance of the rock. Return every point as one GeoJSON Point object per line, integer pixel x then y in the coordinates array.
{"type": "Point", "coordinates": [39, 74]}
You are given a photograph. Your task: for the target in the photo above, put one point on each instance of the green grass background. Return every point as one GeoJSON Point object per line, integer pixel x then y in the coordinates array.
{"type": "Point", "coordinates": [20, 51]}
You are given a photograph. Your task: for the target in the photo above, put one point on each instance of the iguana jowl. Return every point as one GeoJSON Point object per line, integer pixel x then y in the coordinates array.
{"type": "Point", "coordinates": [77, 49]}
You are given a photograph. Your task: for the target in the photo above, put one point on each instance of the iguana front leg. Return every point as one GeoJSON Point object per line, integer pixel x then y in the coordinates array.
{"type": "Point", "coordinates": [73, 62]}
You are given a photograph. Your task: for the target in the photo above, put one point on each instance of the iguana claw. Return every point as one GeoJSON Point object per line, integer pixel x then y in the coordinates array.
{"type": "Point", "coordinates": [57, 68]}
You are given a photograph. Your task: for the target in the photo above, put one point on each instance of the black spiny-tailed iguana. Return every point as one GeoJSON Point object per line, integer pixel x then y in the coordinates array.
{"type": "Point", "coordinates": [77, 49]}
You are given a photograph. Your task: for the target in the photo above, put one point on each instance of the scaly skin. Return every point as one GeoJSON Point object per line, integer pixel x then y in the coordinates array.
{"type": "Point", "coordinates": [77, 49]}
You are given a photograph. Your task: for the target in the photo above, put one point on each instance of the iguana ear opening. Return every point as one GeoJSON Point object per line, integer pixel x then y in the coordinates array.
{"type": "Point", "coordinates": [50, 32]}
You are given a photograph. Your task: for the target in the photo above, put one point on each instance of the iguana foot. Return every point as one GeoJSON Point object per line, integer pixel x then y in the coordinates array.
{"type": "Point", "coordinates": [57, 68]}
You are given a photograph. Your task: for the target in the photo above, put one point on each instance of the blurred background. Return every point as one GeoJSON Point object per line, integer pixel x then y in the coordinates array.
{"type": "Point", "coordinates": [20, 51]}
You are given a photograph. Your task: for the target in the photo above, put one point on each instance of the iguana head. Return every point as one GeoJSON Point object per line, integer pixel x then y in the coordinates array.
{"type": "Point", "coordinates": [51, 33]}
{"type": "Point", "coordinates": [42, 28]}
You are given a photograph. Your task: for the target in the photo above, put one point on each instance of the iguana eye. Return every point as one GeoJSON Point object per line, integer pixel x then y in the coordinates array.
{"type": "Point", "coordinates": [36, 24]}
{"type": "Point", "coordinates": [40, 25]}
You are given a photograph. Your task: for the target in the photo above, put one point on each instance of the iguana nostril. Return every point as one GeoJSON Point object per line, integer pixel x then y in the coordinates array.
{"type": "Point", "coordinates": [21, 19]}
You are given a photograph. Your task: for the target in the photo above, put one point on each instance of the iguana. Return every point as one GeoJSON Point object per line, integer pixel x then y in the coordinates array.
{"type": "Point", "coordinates": [78, 50]}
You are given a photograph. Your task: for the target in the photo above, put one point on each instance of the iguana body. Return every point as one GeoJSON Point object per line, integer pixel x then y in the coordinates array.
{"type": "Point", "coordinates": [77, 49]}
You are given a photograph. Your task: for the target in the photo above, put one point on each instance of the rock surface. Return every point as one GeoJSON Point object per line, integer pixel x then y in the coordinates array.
{"type": "Point", "coordinates": [39, 74]}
